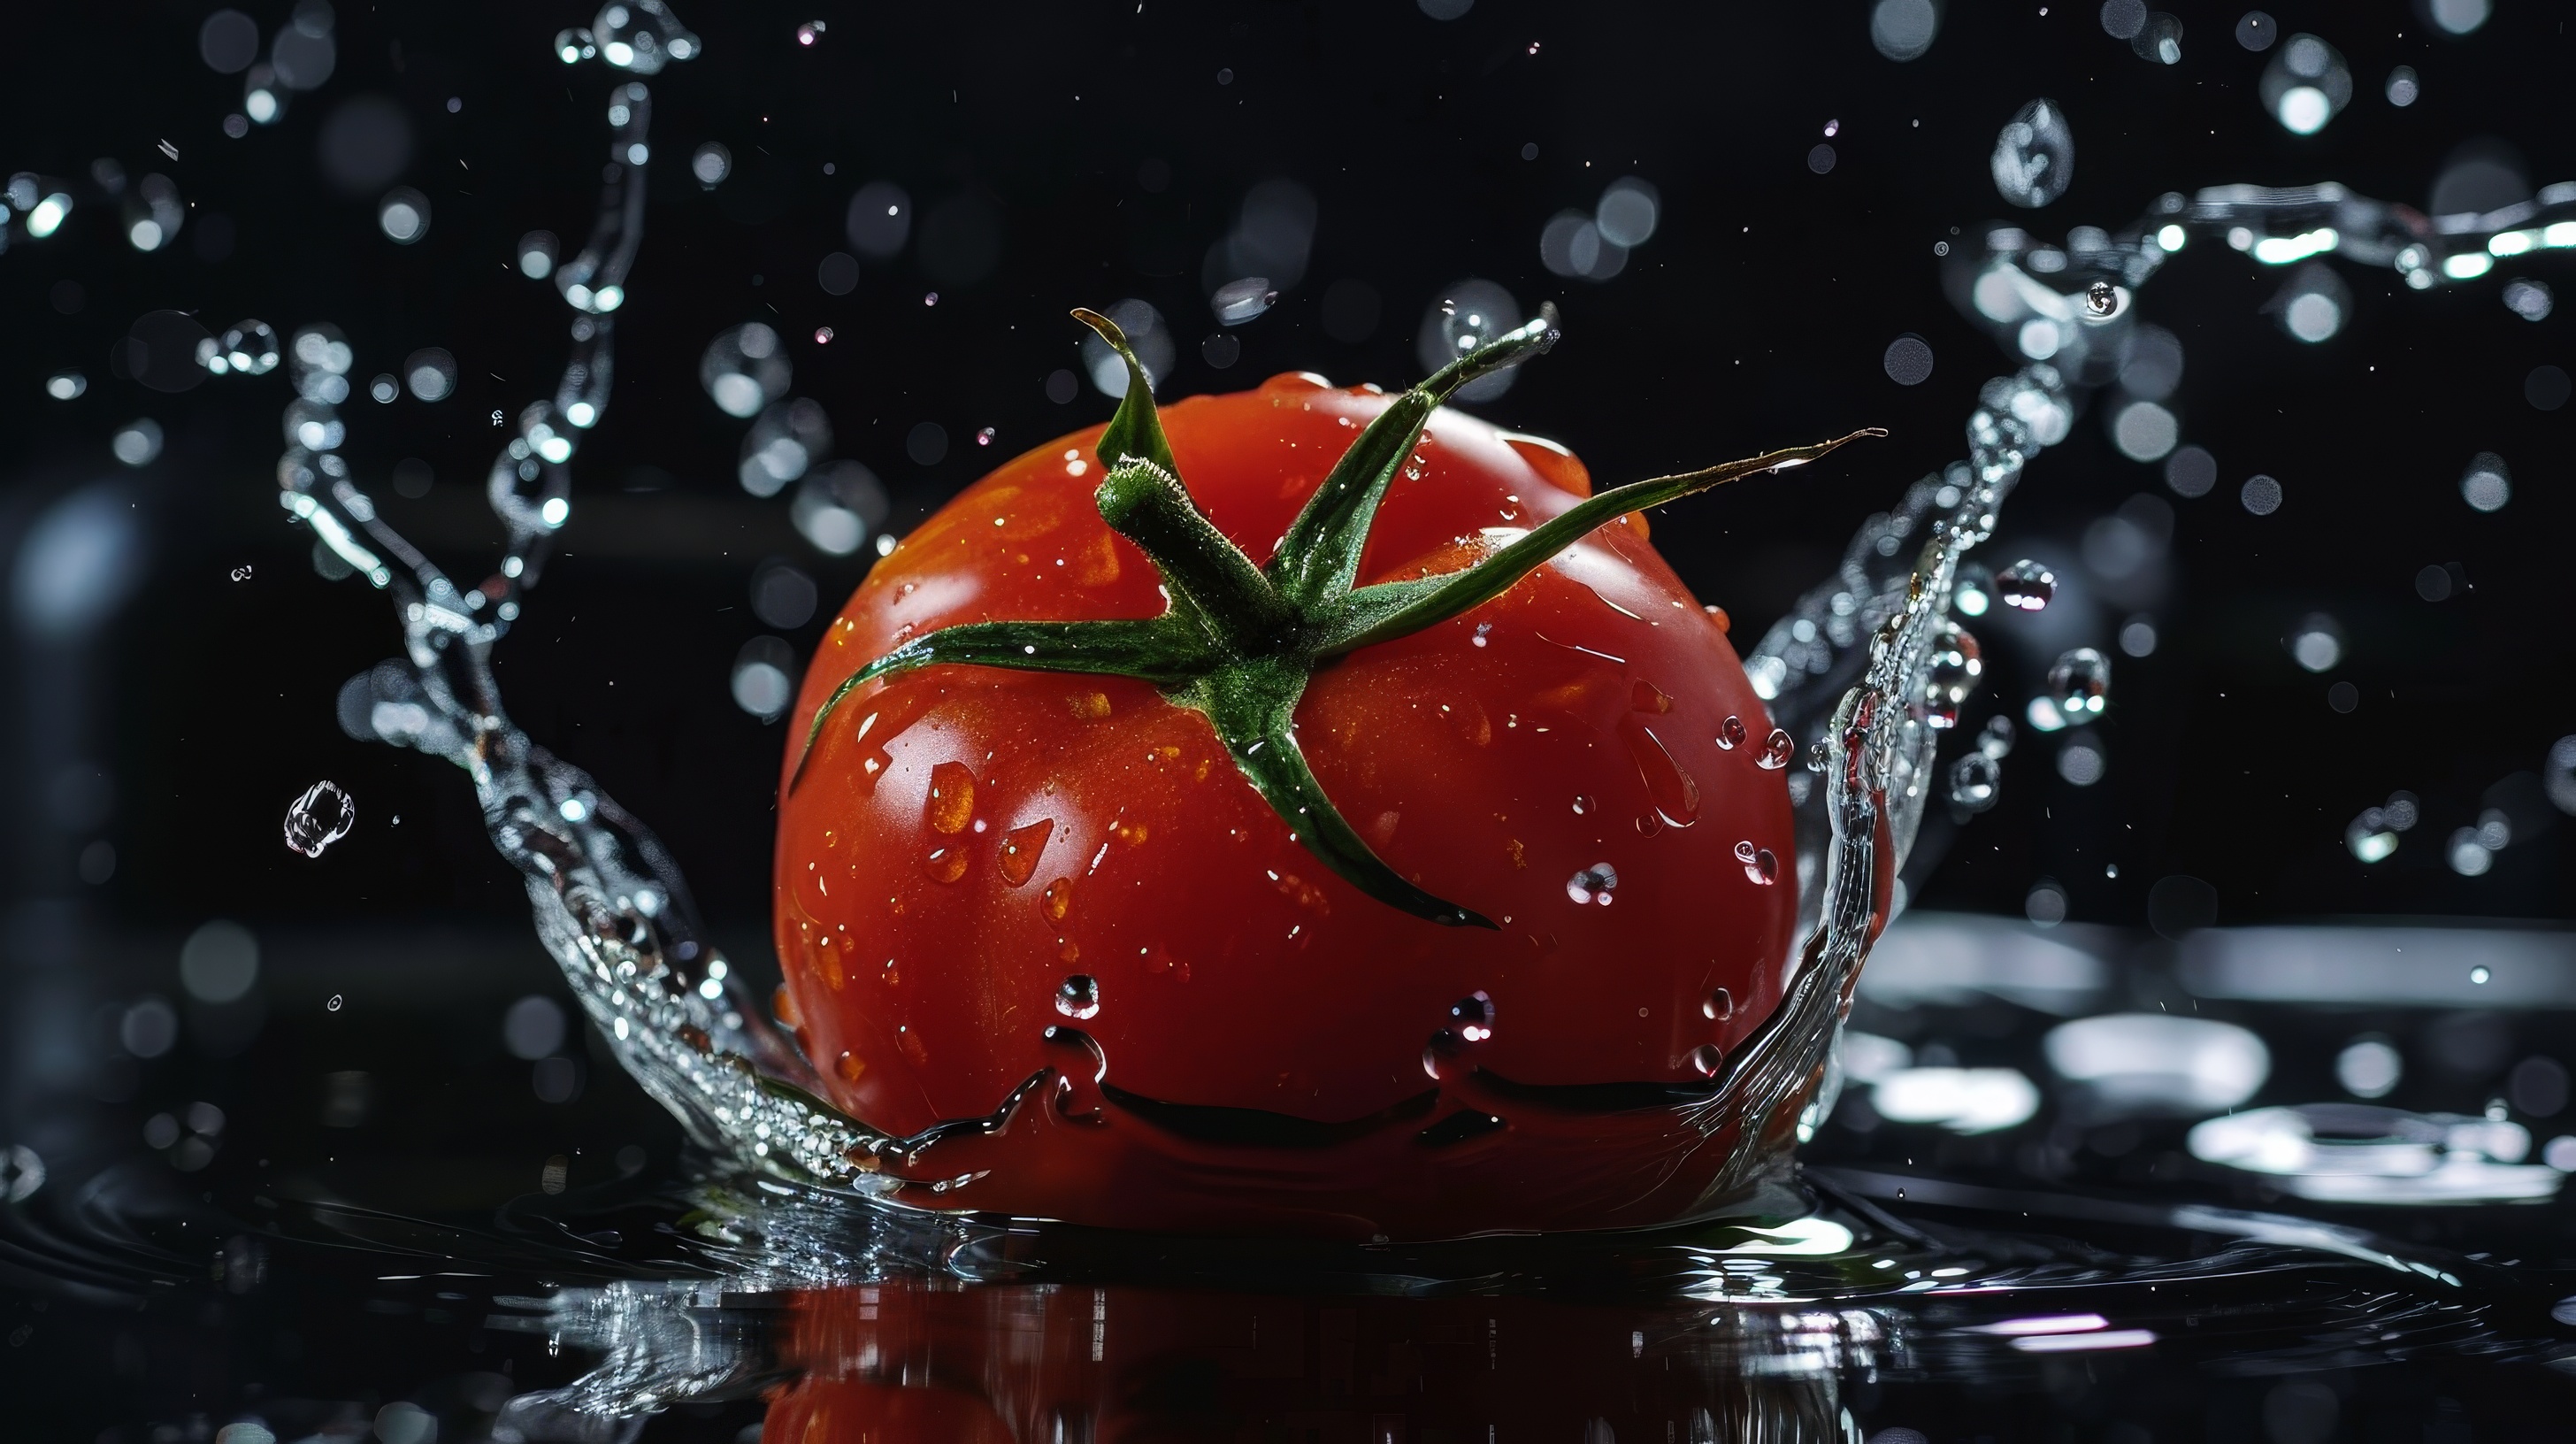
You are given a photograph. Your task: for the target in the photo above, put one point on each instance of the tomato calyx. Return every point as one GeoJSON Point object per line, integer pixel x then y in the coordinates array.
{"type": "Point", "coordinates": [1238, 642]}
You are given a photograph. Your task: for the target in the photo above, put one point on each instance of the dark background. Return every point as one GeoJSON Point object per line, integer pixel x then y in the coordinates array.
{"type": "Point", "coordinates": [177, 731]}
{"type": "Point", "coordinates": [1754, 317]}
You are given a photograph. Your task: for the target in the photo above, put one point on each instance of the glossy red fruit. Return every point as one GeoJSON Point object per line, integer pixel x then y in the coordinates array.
{"type": "Point", "coordinates": [1056, 904]}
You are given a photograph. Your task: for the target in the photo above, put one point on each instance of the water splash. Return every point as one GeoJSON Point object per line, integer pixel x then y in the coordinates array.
{"type": "Point", "coordinates": [1853, 668]}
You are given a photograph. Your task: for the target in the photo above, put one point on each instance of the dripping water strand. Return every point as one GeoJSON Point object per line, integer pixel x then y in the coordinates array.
{"type": "Point", "coordinates": [610, 905]}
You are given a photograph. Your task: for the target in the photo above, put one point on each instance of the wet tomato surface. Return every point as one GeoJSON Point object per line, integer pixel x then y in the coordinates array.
{"type": "Point", "coordinates": [973, 856]}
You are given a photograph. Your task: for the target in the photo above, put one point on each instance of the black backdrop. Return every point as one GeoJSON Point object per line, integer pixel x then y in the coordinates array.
{"type": "Point", "coordinates": [1755, 316]}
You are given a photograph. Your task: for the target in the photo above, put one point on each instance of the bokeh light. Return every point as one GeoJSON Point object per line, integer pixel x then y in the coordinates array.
{"type": "Point", "coordinates": [1147, 334]}
{"type": "Point", "coordinates": [1904, 29]}
{"type": "Point", "coordinates": [2306, 85]}
{"type": "Point", "coordinates": [2034, 158]}
{"type": "Point", "coordinates": [403, 215]}
{"type": "Point", "coordinates": [745, 369]}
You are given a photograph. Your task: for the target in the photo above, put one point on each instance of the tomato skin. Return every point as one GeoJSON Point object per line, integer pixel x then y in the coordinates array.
{"type": "Point", "coordinates": [962, 840]}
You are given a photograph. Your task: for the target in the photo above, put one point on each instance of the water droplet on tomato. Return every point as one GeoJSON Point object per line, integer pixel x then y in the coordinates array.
{"type": "Point", "coordinates": [951, 803]}
{"type": "Point", "coordinates": [1473, 1017]}
{"type": "Point", "coordinates": [1079, 996]}
{"type": "Point", "coordinates": [1645, 696]}
{"type": "Point", "coordinates": [1730, 733]}
{"type": "Point", "coordinates": [2026, 585]}
{"type": "Point", "coordinates": [849, 1066]}
{"type": "Point", "coordinates": [1057, 900]}
{"type": "Point", "coordinates": [1582, 805]}
{"type": "Point", "coordinates": [1674, 792]}
{"type": "Point", "coordinates": [1020, 849]}
{"type": "Point", "coordinates": [1593, 884]}
{"type": "Point", "coordinates": [1718, 1006]}
{"type": "Point", "coordinates": [1761, 865]}
{"type": "Point", "coordinates": [945, 864]}
{"type": "Point", "coordinates": [1777, 749]}
{"type": "Point", "coordinates": [1705, 1060]}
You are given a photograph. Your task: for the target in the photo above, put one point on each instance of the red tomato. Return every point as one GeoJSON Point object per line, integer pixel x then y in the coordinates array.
{"type": "Point", "coordinates": [972, 857]}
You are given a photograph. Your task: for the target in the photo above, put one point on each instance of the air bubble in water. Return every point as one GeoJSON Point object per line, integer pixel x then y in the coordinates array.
{"type": "Point", "coordinates": [1593, 884]}
{"type": "Point", "coordinates": [1236, 302]}
{"type": "Point", "coordinates": [1976, 780]}
{"type": "Point", "coordinates": [2026, 585]}
{"type": "Point", "coordinates": [2080, 684]}
{"type": "Point", "coordinates": [1078, 996]}
{"type": "Point", "coordinates": [1761, 864]}
{"type": "Point", "coordinates": [2035, 155]}
{"type": "Point", "coordinates": [321, 817]}
{"type": "Point", "coordinates": [1776, 751]}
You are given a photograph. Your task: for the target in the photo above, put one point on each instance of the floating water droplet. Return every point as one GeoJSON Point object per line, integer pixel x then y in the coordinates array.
{"type": "Point", "coordinates": [1731, 733]}
{"type": "Point", "coordinates": [1761, 865]}
{"type": "Point", "coordinates": [1950, 674]}
{"type": "Point", "coordinates": [1995, 739]}
{"type": "Point", "coordinates": [2306, 85]}
{"type": "Point", "coordinates": [1718, 1006]}
{"type": "Point", "coordinates": [2026, 585]}
{"type": "Point", "coordinates": [2080, 684]}
{"type": "Point", "coordinates": [1593, 884]}
{"type": "Point", "coordinates": [1706, 1059]}
{"type": "Point", "coordinates": [1236, 302]}
{"type": "Point", "coordinates": [1777, 749]}
{"type": "Point", "coordinates": [2369, 837]}
{"type": "Point", "coordinates": [745, 369]}
{"type": "Point", "coordinates": [2479, 975]}
{"type": "Point", "coordinates": [950, 804]}
{"type": "Point", "coordinates": [1975, 781]}
{"type": "Point", "coordinates": [334, 1004]}
{"type": "Point", "coordinates": [2101, 298]}
{"type": "Point", "coordinates": [321, 817]}
{"type": "Point", "coordinates": [1078, 996]}
{"type": "Point", "coordinates": [2034, 156]}
{"type": "Point", "coordinates": [1020, 849]}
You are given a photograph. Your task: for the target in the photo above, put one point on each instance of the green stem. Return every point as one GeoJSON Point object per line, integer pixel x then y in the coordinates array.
{"type": "Point", "coordinates": [1238, 643]}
